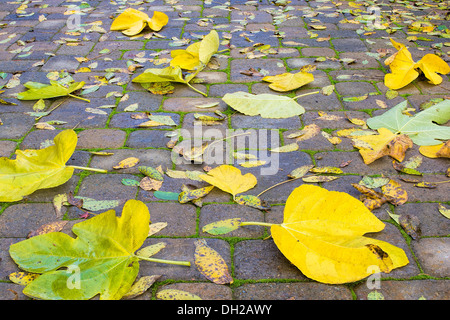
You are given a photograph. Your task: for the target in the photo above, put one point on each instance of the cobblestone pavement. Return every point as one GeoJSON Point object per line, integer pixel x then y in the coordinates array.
{"type": "Point", "coordinates": [34, 41]}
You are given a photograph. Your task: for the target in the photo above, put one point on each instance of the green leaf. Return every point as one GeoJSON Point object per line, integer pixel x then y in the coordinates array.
{"type": "Point", "coordinates": [165, 195]}
{"type": "Point", "coordinates": [100, 260]}
{"type": "Point", "coordinates": [266, 105]}
{"type": "Point", "coordinates": [37, 169]}
{"type": "Point", "coordinates": [38, 91]}
{"type": "Point", "coordinates": [421, 128]}
{"type": "Point", "coordinates": [222, 226]}
{"type": "Point", "coordinates": [151, 172]}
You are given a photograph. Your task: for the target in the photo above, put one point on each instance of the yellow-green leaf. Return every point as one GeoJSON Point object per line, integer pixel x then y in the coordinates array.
{"type": "Point", "coordinates": [37, 169]}
{"type": "Point", "coordinates": [174, 294]}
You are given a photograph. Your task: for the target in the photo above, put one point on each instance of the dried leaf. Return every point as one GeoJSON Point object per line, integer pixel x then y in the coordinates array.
{"type": "Point", "coordinates": [127, 163]}
{"type": "Point", "coordinates": [211, 264]}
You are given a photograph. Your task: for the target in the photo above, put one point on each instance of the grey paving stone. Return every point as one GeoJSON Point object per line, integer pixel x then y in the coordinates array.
{"type": "Point", "coordinates": [18, 220]}
{"type": "Point", "coordinates": [58, 63]}
{"type": "Point", "coordinates": [6, 148]}
{"type": "Point", "coordinates": [432, 254]}
{"type": "Point", "coordinates": [15, 125]}
{"type": "Point", "coordinates": [147, 157]}
{"type": "Point", "coordinates": [408, 290]}
{"type": "Point", "coordinates": [181, 249]}
{"type": "Point", "coordinates": [291, 291]}
{"type": "Point", "coordinates": [216, 212]}
{"type": "Point", "coordinates": [101, 138]}
{"type": "Point", "coordinates": [261, 259]}
{"type": "Point", "coordinates": [206, 291]}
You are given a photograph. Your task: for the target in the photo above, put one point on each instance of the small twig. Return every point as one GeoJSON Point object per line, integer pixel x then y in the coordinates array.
{"type": "Point", "coordinates": [39, 118]}
{"type": "Point", "coordinates": [179, 263]}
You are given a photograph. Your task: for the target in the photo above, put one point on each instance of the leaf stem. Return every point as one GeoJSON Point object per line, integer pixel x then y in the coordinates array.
{"type": "Point", "coordinates": [276, 185]}
{"type": "Point", "coordinates": [74, 96]}
{"type": "Point", "coordinates": [305, 94]}
{"type": "Point", "coordinates": [254, 223]}
{"type": "Point", "coordinates": [179, 263]}
{"type": "Point", "coordinates": [89, 169]}
{"type": "Point", "coordinates": [196, 90]}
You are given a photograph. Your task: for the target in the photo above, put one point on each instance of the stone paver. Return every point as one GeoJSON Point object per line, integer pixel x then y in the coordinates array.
{"type": "Point", "coordinates": [37, 45]}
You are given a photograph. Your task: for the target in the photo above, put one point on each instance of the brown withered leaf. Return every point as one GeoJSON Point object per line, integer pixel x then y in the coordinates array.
{"type": "Point", "coordinates": [149, 184]}
{"type": "Point", "coordinates": [373, 147]}
{"type": "Point", "coordinates": [54, 226]}
{"type": "Point", "coordinates": [411, 224]}
{"type": "Point", "coordinates": [371, 198]}
{"type": "Point", "coordinates": [394, 193]}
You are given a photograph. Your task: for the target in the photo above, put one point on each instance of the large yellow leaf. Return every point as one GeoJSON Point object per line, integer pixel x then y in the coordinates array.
{"type": "Point", "coordinates": [158, 21]}
{"type": "Point", "coordinates": [322, 234]}
{"type": "Point", "coordinates": [404, 71]}
{"type": "Point", "coordinates": [430, 64]}
{"type": "Point", "coordinates": [37, 169]}
{"type": "Point", "coordinates": [289, 81]}
{"type": "Point", "coordinates": [128, 18]}
{"type": "Point", "coordinates": [133, 21]}
{"type": "Point", "coordinates": [184, 59]}
{"type": "Point", "coordinates": [229, 179]}
{"type": "Point", "coordinates": [373, 147]}
{"type": "Point", "coordinates": [402, 68]}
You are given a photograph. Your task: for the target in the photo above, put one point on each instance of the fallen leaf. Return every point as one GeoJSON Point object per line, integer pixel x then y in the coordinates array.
{"type": "Point", "coordinates": [229, 179]}
{"type": "Point", "coordinates": [394, 193]}
{"type": "Point", "coordinates": [54, 226]}
{"type": "Point", "coordinates": [116, 238]}
{"type": "Point", "coordinates": [286, 148]}
{"type": "Point", "coordinates": [127, 163]}
{"type": "Point", "coordinates": [195, 194]}
{"type": "Point", "coordinates": [423, 128]}
{"type": "Point", "coordinates": [140, 286]}
{"type": "Point", "coordinates": [288, 81]}
{"type": "Point", "coordinates": [210, 263]}
{"type": "Point", "coordinates": [444, 211]}
{"type": "Point", "coordinates": [411, 224]}
{"type": "Point", "coordinates": [133, 21]}
{"type": "Point", "coordinates": [436, 151]}
{"type": "Point", "coordinates": [373, 147]}
{"type": "Point", "coordinates": [37, 169]}
{"type": "Point", "coordinates": [175, 294]}
{"type": "Point", "coordinates": [150, 184]}
{"type": "Point", "coordinates": [252, 201]}
{"type": "Point", "coordinates": [312, 212]}
{"type": "Point", "coordinates": [222, 227]}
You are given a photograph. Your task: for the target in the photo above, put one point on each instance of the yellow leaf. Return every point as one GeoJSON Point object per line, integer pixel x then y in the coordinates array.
{"type": "Point", "coordinates": [210, 263]}
{"type": "Point", "coordinates": [184, 59]}
{"type": "Point", "coordinates": [158, 21]}
{"type": "Point", "coordinates": [252, 163]}
{"type": "Point", "coordinates": [286, 148]}
{"type": "Point", "coordinates": [444, 211]}
{"type": "Point", "coordinates": [127, 19]}
{"type": "Point", "coordinates": [229, 179]}
{"type": "Point", "coordinates": [23, 278]}
{"type": "Point", "coordinates": [289, 81]}
{"type": "Point", "coordinates": [430, 64]}
{"type": "Point", "coordinates": [127, 163]}
{"type": "Point", "coordinates": [322, 234]}
{"type": "Point", "coordinates": [306, 133]}
{"type": "Point", "coordinates": [436, 151]}
{"type": "Point", "coordinates": [402, 67]}
{"type": "Point", "coordinates": [133, 21]}
{"type": "Point", "coordinates": [373, 147]}
{"type": "Point", "coordinates": [134, 28]}
{"type": "Point", "coordinates": [394, 193]}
